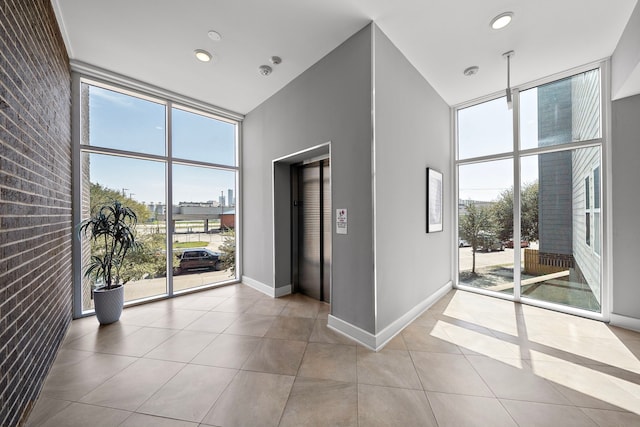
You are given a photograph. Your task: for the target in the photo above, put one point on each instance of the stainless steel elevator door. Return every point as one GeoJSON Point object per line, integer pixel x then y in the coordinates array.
{"type": "Point", "coordinates": [326, 231]}
{"type": "Point", "coordinates": [314, 222]}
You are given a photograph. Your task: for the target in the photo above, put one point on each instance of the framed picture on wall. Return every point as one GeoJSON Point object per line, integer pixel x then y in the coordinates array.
{"type": "Point", "coordinates": [434, 200]}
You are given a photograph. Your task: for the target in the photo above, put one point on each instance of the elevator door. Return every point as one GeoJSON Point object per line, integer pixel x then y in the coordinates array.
{"type": "Point", "coordinates": [314, 233]}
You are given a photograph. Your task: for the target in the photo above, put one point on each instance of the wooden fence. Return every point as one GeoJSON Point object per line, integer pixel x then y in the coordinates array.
{"type": "Point", "coordinates": [535, 264]}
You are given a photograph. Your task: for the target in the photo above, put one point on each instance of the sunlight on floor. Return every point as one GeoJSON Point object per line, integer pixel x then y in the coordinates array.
{"type": "Point", "coordinates": [583, 359]}
{"type": "Point", "coordinates": [233, 356]}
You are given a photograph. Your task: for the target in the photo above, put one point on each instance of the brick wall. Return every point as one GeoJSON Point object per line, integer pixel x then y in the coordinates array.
{"type": "Point", "coordinates": [35, 201]}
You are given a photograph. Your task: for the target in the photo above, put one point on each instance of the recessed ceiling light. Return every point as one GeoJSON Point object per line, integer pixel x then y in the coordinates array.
{"type": "Point", "coordinates": [471, 71]}
{"type": "Point", "coordinates": [501, 20]}
{"type": "Point", "coordinates": [214, 35]}
{"type": "Point", "coordinates": [202, 55]}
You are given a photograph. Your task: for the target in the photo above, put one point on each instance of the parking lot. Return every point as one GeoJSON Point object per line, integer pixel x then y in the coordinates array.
{"type": "Point", "coordinates": [488, 259]}
{"type": "Point", "coordinates": [150, 287]}
{"type": "Point", "coordinates": [158, 286]}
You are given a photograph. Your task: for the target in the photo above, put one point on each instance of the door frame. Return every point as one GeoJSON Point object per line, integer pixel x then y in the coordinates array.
{"type": "Point", "coordinates": [282, 217]}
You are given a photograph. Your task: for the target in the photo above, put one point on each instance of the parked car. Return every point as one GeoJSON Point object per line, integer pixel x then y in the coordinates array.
{"type": "Point", "coordinates": [488, 242]}
{"type": "Point", "coordinates": [199, 259]}
{"type": "Point", "coordinates": [463, 243]}
{"type": "Point", "coordinates": [523, 244]}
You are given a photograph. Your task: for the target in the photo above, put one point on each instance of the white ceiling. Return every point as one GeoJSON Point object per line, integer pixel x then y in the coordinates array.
{"type": "Point", "coordinates": [153, 40]}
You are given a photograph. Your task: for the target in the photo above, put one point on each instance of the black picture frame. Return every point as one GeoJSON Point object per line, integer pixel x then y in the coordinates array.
{"type": "Point", "coordinates": [434, 200]}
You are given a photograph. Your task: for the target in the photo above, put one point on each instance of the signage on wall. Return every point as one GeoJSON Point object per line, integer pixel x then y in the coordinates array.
{"type": "Point", "coordinates": [341, 221]}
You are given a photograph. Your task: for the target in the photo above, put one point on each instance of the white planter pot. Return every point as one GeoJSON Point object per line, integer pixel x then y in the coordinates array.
{"type": "Point", "coordinates": [108, 304]}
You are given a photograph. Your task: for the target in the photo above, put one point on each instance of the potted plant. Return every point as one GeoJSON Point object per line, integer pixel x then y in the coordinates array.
{"type": "Point", "coordinates": [111, 231]}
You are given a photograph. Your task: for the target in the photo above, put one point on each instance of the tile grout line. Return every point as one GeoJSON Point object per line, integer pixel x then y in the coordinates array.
{"type": "Point", "coordinates": [424, 390]}
{"type": "Point", "coordinates": [295, 377]}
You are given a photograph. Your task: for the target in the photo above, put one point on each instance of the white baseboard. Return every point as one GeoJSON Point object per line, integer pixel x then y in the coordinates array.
{"type": "Point", "coordinates": [282, 291]}
{"type": "Point", "coordinates": [266, 289]}
{"type": "Point", "coordinates": [258, 286]}
{"type": "Point", "coordinates": [361, 336]}
{"type": "Point", "coordinates": [387, 334]}
{"type": "Point", "coordinates": [378, 341]}
{"type": "Point", "coordinates": [625, 322]}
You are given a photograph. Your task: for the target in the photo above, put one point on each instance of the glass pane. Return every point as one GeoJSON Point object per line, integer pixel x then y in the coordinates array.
{"type": "Point", "coordinates": [559, 220]}
{"type": "Point", "coordinates": [563, 111]}
{"type": "Point", "coordinates": [122, 122]}
{"type": "Point", "coordinates": [198, 137]}
{"type": "Point", "coordinates": [485, 221]}
{"type": "Point", "coordinates": [485, 129]}
{"type": "Point", "coordinates": [139, 185]}
{"type": "Point", "coordinates": [203, 226]}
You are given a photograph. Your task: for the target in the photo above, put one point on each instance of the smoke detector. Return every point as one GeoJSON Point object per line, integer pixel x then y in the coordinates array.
{"type": "Point", "coordinates": [265, 70]}
{"type": "Point", "coordinates": [214, 35]}
{"type": "Point", "coordinates": [471, 71]}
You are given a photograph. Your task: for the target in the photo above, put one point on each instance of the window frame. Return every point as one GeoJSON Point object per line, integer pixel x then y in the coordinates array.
{"type": "Point", "coordinates": [86, 75]}
{"type": "Point", "coordinates": [603, 142]}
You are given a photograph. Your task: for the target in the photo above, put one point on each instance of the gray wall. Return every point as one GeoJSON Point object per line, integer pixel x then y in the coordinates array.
{"type": "Point", "coordinates": [625, 61]}
{"type": "Point", "coordinates": [412, 132]}
{"type": "Point", "coordinates": [555, 206]}
{"type": "Point", "coordinates": [555, 214]}
{"type": "Point", "coordinates": [625, 177]}
{"type": "Point", "coordinates": [331, 101]}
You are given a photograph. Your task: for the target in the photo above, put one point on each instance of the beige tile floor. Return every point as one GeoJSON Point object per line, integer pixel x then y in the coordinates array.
{"type": "Point", "coordinates": [234, 357]}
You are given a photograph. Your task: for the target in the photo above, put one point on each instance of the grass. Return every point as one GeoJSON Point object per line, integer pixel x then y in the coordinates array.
{"type": "Point", "coordinates": [185, 245]}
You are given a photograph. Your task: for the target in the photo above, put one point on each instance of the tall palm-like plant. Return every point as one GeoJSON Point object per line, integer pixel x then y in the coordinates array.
{"type": "Point", "coordinates": [112, 229]}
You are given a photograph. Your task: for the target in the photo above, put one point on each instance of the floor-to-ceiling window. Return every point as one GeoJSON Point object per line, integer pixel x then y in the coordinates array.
{"type": "Point", "coordinates": [530, 193]}
{"type": "Point", "coordinates": [176, 167]}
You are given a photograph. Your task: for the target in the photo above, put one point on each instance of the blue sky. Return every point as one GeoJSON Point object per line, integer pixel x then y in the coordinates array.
{"type": "Point", "coordinates": [124, 122]}
{"type": "Point", "coordinates": [487, 129]}
{"type": "Point", "coordinates": [127, 123]}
